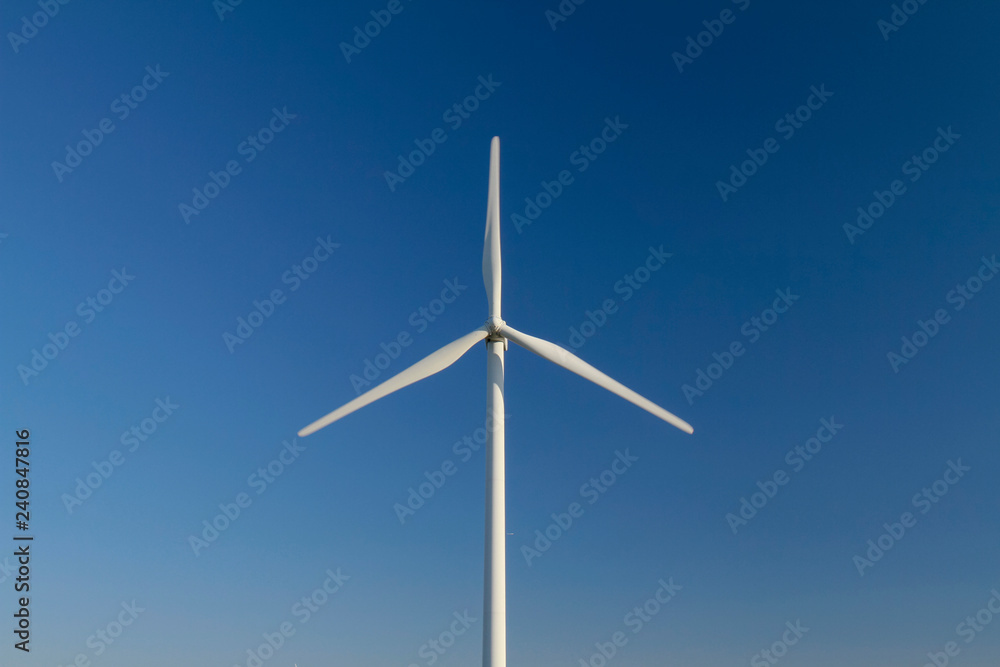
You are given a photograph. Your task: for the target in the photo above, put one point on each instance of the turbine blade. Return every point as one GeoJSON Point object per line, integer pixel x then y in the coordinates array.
{"type": "Point", "coordinates": [491, 244]}
{"type": "Point", "coordinates": [429, 365]}
{"type": "Point", "coordinates": [571, 362]}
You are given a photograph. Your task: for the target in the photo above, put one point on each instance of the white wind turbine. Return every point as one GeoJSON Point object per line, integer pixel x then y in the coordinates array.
{"type": "Point", "coordinates": [496, 332]}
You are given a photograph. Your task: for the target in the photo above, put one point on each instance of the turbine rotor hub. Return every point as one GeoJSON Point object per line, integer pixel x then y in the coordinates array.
{"type": "Point", "coordinates": [493, 325]}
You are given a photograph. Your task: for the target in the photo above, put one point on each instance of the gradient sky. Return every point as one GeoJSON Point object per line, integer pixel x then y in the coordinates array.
{"type": "Point", "coordinates": [343, 125]}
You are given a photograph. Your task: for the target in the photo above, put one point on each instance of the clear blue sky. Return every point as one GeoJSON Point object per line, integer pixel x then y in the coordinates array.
{"type": "Point", "coordinates": [198, 91]}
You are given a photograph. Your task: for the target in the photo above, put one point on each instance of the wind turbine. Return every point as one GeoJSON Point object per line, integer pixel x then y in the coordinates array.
{"type": "Point", "coordinates": [496, 332]}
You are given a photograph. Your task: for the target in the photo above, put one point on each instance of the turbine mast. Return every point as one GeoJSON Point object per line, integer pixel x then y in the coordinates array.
{"type": "Point", "coordinates": [495, 575]}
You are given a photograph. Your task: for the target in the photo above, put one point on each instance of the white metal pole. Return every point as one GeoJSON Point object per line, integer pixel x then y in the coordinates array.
{"type": "Point", "coordinates": [495, 576]}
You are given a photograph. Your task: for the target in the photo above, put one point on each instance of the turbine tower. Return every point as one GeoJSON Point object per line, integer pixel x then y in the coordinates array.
{"type": "Point", "coordinates": [496, 333]}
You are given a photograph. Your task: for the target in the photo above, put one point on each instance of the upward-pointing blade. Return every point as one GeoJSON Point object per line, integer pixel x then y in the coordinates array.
{"type": "Point", "coordinates": [569, 361]}
{"type": "Point", "coordinates": [429, 365]}
{"type": "Point", "coordinates": [491, 245]}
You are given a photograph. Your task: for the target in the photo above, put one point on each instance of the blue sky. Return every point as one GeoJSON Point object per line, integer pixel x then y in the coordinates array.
{"type": "Point", "coordinates": [356, 255]}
